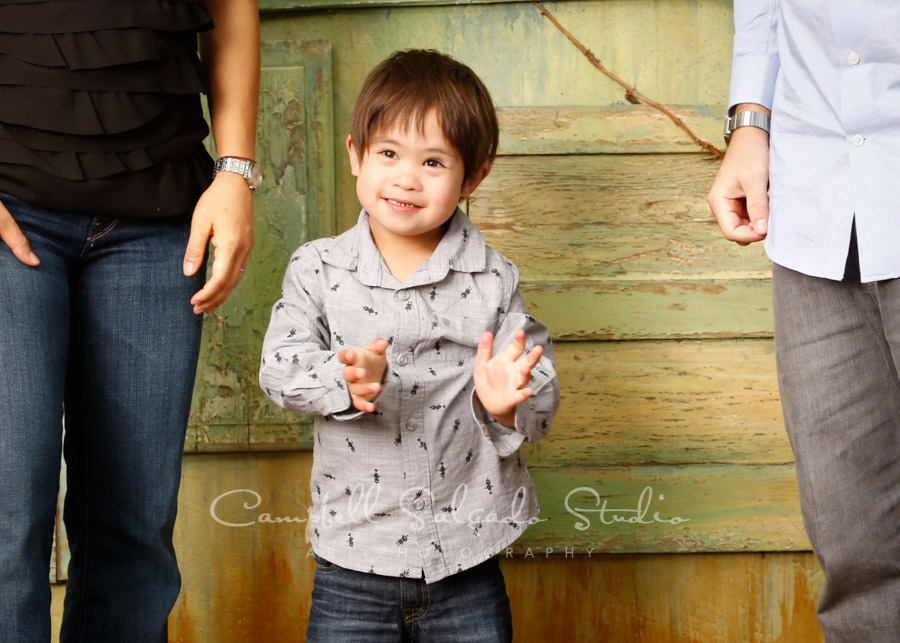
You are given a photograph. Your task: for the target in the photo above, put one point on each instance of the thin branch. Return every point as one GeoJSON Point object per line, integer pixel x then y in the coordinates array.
{"type": "Point", "coordinates": [631, 94]}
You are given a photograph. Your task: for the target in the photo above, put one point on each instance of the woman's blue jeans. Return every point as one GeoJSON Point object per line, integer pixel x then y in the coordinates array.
{"type": "Point", "coordinates": [102, 332]}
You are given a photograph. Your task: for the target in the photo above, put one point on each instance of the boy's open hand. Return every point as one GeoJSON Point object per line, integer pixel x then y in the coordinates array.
{"type": "Point", "coordinates": [363, 373]}
{"type": "Point", "coordinates": [499, 379]}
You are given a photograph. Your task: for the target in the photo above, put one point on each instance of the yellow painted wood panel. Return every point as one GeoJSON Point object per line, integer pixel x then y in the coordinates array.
{"type": "Point", "coordinates": [631, 509]}
{"type": "Point", "coordinates": [253, 583]}
{"type": "Point", "coordinates": [663, 309]}
{"type": "Point", "coordinates": [663, 598]}
{"type": "Point", "coordinates": [668, 403]}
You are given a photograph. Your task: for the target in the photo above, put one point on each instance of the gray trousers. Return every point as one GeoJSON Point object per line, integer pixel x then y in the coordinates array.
{"type": "Point", "coordinates": [838, 354]}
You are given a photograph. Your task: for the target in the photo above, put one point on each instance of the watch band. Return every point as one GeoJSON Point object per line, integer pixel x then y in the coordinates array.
{"type": "Point", "coordinates": [748, 118]}
{"type": "Point", "coordinates": [248, 169]}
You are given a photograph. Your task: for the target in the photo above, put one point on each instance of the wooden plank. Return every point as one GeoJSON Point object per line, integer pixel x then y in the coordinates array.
{"type": "Point", "coordinates": [673, 509]}
{"type": "Point", "coordinates": [752, 598]}
{"type": "Point", "coordinates": [648, 403]}
{"type": "Point", "coordinates": [606, 129]}
{"type": "Point", "coordinates": [229, 572]}
{"type": "Point", "coordinates": [664, 309]}
{"type": "Point", "coordinates": [247, 583]}
{"type": "Point", "coordinates": [609, 217]}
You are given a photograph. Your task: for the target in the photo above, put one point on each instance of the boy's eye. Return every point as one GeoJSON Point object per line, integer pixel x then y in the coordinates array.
{"type": "Point", "coordinates": [433, 163]}
{"type": "Point", "coordinates": [388, 153]}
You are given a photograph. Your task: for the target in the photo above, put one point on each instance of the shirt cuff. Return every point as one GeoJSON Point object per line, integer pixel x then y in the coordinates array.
{"type": "Point", "coordinates": [325, 394]}
{"type": "Point", "coordinates": [753, 80]}
{"type": "Point", "coordinates": [502, 438]}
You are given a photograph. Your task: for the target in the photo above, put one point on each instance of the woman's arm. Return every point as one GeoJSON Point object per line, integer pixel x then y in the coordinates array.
{"type": "Point", "coordinates": [224, 213]}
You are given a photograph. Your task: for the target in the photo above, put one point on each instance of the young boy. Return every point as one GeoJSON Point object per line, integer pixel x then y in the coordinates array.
{"type": "Point", "coordinates": [386, 333]}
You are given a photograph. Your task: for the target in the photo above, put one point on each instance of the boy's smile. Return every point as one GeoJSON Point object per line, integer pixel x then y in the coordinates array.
{"type": "Point", "coordinates": [410, 182]}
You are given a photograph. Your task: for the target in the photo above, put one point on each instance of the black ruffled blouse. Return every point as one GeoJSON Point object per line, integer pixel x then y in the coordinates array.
{"type": "Point", "coordinates": [99, 105]}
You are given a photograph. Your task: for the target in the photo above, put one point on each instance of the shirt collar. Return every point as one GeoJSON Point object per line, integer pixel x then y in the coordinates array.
{"type": "Point", "coordinates": [462, 249]}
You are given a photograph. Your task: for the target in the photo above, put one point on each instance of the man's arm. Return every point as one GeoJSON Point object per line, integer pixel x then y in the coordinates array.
{"type": "Point", "coordinates": [224, 213]}
{"type": "Point", "coordinates": [739, 195]}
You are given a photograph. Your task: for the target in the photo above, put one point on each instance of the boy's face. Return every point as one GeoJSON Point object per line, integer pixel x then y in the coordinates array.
{"type": "Point", "coordinates": [410, 182]}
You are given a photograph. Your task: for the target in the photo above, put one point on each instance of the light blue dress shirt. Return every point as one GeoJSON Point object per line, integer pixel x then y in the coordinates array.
{"type": "Point", "coordinates": [830, 72]}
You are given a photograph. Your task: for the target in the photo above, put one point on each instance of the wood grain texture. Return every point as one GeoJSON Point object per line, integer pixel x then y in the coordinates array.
{"type": "Point", "coordinates": [249, 583]}
{"type": "Point", "coordinates": [253, 583]}
{"type": "Point", "coordinates": [663, 309]}
{"type": "Point", "coordinates": [608, 129]}
{"type": "Point", "coordinates": [609, 217]}
{"type": "Point", "coordinates": [705, 508]}
{"type": "Point", "coordinates": [702, 598]}
{"type": "Point", "coordinates": [665, 403]}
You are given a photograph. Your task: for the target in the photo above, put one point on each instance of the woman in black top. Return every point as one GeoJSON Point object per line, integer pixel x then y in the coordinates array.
{"type": "Point", "coordinates": [106, 208]}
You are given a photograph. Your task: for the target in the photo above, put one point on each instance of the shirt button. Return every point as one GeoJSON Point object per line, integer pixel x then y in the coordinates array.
{"type": "Point", "coordinates": [403, 295]}
{"type": "Point", "coordinates": [411, 424]}
{"type": "Point", "coordinates": [418, 504]}
{"type": "Point", "coordinates": [853, 58]}
{"type": "Point", "coordinates": [859, 140]}
{"type": "Point", "coordinates": [402, 359]}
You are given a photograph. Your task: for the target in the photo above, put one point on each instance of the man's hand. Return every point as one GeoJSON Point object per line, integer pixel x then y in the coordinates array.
{"type": "Point", "coordinates": [12, 236]}
{"type": "Point", "coordinates": [224, 217]}
{"type": "Point", "coordinates": [499, 379]}
{"type": "Point", "coordinates": [739, 195]}
{"type": "Point", "coordinates": [363, 372]}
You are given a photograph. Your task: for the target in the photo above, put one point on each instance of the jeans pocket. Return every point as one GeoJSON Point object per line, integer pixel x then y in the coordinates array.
{"type": "Point", "coordinates": [325, 566]}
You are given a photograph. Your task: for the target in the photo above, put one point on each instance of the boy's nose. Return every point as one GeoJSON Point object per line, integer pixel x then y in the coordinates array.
{"type": "Point", "coordinates": [407, 178]}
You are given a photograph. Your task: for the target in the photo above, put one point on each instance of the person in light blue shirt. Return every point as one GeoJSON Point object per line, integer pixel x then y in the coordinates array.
{"type": "Point", "coordinates": [815, 116]}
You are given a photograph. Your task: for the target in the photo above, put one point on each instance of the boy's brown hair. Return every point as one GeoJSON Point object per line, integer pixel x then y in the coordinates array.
{"type": "Point", "coordinates": [409, 84]}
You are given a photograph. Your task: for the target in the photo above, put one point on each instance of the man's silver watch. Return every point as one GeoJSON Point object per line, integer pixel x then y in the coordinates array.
{"type": "Point", "coordinates": [248, 169]}
{"type": "Point", "coordinates": [744, 119]}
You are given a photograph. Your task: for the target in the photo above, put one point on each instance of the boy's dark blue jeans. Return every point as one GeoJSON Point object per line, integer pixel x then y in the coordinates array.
{"type": "Point", "coordinates": [471, 606]}
{"type": "Point", "coordinates": [104, 327]}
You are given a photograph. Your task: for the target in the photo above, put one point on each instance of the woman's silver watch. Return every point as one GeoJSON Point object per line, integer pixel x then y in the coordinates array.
{"type": "Point", "coordinates": [248, 169]}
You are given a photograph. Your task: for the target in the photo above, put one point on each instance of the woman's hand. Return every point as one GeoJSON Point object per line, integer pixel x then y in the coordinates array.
{"type": "Point", "coordinates": [13, 237]}
{"type": "Point", "coordinates": [224, 217]}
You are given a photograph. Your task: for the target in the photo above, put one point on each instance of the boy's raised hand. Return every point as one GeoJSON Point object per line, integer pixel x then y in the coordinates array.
{"type": "Point", "coordinates": [363, 372]}
{"type": "Point", "coordinates": [499, 378]}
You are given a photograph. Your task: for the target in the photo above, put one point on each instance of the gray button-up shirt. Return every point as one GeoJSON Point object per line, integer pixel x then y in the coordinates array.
{"type": "Point", "coordinates": [429, 484]}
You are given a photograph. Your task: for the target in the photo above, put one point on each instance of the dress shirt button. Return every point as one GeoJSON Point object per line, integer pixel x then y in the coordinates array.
{"type": "Point", "coordinates": [402, 359]}
{"type": "Point", "coordinates": [418, 504]}
{"type": "Point", "coordinates": [411, 424]}
{"type": "Point", "coordinates": [859, 140]}
{"type": "Point", "coordinates": [403, 295]}
{"type": "Point", "coordinates": [853, 58]}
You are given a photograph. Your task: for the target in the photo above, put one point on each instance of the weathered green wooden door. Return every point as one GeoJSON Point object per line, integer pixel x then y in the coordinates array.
{"type": "Point", "coordinates": [662, 330]}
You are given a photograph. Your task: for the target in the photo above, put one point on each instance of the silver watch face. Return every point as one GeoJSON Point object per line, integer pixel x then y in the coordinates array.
{"type": "Point", "coordinates": [254, 180]}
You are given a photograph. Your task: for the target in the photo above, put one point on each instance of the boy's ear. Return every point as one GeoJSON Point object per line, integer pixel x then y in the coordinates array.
{"type": "Point", "coordinates": [354, 157]}
{"type": "Point", "coordinates": [470, 185]}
